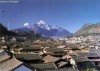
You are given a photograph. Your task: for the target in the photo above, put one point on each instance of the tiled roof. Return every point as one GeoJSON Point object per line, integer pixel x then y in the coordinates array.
{"type": "Point", "coordinates": [9, 64]}
{"type": "Point", "coordinates": [62, 69]}
{"type": "Point", "coordinates": [31, 49]}
{"type": "Point", "coordinates": [3, 56]}
{"type": "Point", "coordinates": [73, 46]}
{"type": "Point", "coordinates": [95, 51]}
{"type": "Point", "coordinates": [28, 56]}
{"type": "Point", "coordinates": [44, 66]}
{"type": "Point", "coordinates": [54, 49]}
{"type": "Point", "coordinates": [89, 54]}
{"type": "Point", "coordinates": [80, 58]}
{"type": "Point", "coordinates": [1, 50]}
{"type": "Point", "coordinates": [50, 58]}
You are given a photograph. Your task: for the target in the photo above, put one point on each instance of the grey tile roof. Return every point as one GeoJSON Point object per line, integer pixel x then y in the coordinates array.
{"type": "Point", "coordinates": [89, 54]}
{"type": "Point", "coordinates": [62, 69]}
{"type": "Point", "coordinates": [54, 49]}
{"type": "Point", "coordinates": [31, 49]}
{"type": "Point", "coordinates": [44, 66]}
{"type": "Point", "coordinates": [73, 46]}
{"type": "Point", "coordinates": [95, 51]}
{"type": "Point", "coordinates": [9, 64]}
{"type": "Point", "coordinates": [28, 56]}
{"type": "Point", "coordinates": [3, 56]}
{"type": "Point", "coordinates": [80, 58]}
{"type": "Point", "coordinates": [50, 58]}
{"type": "Point", "coordinates": [1, 50]}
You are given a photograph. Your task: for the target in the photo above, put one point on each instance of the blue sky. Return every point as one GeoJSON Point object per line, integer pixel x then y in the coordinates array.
{"type": "Point", "coordinates": [68, 14]}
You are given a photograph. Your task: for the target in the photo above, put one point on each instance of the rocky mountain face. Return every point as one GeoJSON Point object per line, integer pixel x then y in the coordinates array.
{"type": "Point", "coordinates": [45, 29]}
{"type": "Point", "coordinates": [89, 29]}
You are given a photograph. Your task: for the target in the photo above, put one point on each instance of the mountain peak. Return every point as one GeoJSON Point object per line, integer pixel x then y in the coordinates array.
{"type": "Point", "coordinates": [88, 24]}
{"type": "Point", "coordinates": [41, 22]}
{"type": "Point", "coordinates": [45, 29]}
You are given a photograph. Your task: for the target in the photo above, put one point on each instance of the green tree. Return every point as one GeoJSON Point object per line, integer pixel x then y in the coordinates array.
{"type": "Point", "coordinates": [3, 30]}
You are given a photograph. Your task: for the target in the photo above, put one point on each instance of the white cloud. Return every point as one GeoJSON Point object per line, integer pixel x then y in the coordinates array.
{"type": "Point", "coordinates": [26, 24]}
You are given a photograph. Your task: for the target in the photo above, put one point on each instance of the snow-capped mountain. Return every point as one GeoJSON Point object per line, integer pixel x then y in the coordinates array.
{"type": "Point", "coordinates": [45, 29]}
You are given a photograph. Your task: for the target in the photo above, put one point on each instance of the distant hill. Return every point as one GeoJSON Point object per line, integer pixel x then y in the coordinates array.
{"type": "Point", "coordinates": [29, 34]}
{"type": "Point", "coordinates": [5, 32]}
{"type": "Point", "coordinates": [45, 29]}
{"type": "Point", "coordinates": [89, 29]}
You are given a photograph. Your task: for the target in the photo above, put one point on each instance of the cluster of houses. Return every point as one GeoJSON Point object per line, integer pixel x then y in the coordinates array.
{"type": "Point", "coordinates": [48, 55]}
{"type": "Point", "coordinates": [79, 39]}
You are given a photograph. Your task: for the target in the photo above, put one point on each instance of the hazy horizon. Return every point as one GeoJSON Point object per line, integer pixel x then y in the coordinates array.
{"type": "Point", "coordinates": [68, 14]}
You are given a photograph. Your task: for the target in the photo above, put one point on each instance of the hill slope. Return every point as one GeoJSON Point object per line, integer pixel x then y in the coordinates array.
{"type": "Point", "coordinates": [89, 29]}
